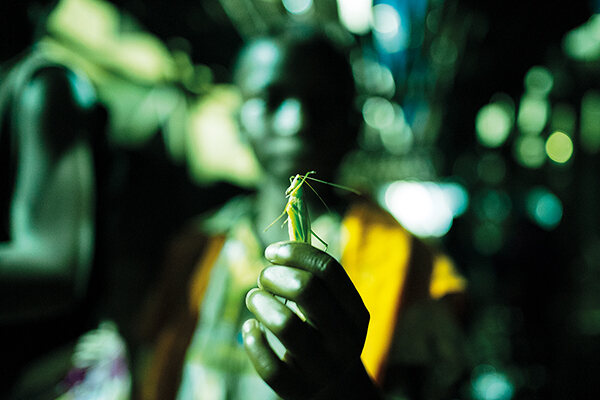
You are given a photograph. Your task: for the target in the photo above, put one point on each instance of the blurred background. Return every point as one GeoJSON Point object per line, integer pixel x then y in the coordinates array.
{"type": "Point", "coordinates": [480, 133]}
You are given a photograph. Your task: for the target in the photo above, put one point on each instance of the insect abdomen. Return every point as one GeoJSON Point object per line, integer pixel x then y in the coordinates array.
{"type": "Point", "coordinates": [298, 221]}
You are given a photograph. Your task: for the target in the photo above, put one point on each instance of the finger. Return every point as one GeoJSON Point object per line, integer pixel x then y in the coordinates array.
{"type": "Point", "coordinates": [276, 373]}
{"type": "Point", "coordinates": [298, 338]}
{"type": "Point", "coordinates": [309, 258]}
{"type": "Point", "coordinates": [317, 304]}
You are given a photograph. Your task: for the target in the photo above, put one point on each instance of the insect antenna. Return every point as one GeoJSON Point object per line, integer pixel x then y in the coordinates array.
{"type": "Point", "coordinates": [335, 185]}
{"type": "Point", "coordinates": [318, 196]}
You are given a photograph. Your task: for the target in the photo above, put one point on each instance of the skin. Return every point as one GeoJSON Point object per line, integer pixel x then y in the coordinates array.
{"type": "Point", "coordinates": [44, 266]}
{"type": "Point", "coordinates": [322, 358]}
{"type": "Point", "coordinates": [322, 354]}
{"type": "Point", "coordinates": [295, 117]}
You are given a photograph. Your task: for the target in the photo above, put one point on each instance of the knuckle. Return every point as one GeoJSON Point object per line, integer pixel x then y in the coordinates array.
{"type": "Point", "coordinates": [321, 262]}
{"type": "Point", "coordinates": [271, 373]}
{"type": "Point", "coordinates": [290, 327]}
{"type": "Point", "coordinates": [308, 287]}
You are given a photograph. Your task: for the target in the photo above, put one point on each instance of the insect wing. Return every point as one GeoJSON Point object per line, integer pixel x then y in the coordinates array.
{"type": "Point", "coordinates": [298, 220]}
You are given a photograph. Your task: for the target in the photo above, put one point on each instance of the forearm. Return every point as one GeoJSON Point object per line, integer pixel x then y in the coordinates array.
{"type": "Point", "coordinates": [35, 284]}
{"type": "Point", "coordinates": [45, 267]}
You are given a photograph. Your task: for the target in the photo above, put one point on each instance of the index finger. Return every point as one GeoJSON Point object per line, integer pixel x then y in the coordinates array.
{"type": "Point", "coordinates": [304, 256]}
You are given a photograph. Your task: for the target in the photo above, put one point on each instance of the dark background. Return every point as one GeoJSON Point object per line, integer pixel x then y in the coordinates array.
{"type": "Point", "coordinates": [533, 299]}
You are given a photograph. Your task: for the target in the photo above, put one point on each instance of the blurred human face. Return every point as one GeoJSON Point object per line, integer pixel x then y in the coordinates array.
{"type": "Point", "coordinates": [289, 114]}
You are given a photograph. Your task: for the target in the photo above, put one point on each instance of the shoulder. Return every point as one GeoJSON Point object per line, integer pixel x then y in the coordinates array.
{"type": "Point", "coordinates": [226, 217]}
{"type": "Point", "coordinates": [36, 72]}
{"type": "Point", "coordinates": [369, 215]}
{"type": "Point", "coordinates": [58, 104]}
{"type": "Point", "coordinates": [60, 89]}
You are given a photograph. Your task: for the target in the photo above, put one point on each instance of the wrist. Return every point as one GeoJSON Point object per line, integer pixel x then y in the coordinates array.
{"type": "Point", "coordinates": [354, 383]}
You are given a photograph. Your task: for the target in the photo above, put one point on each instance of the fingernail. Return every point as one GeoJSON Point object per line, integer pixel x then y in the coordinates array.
{"type": "Point", "coordinates": [271, 251]}
{"type": "Point", "coordinates": [249, 295]}
{"type": "Point", "coordinates": [278, 251]}
{"type": "Point", "coordinates": [249, 325]}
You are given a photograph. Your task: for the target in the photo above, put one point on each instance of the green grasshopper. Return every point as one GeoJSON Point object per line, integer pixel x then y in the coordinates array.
{"type": "Point", "coordinates": [298, 219]}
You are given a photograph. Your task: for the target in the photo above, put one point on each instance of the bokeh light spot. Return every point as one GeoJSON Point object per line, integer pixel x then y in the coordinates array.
{"type": "Point", "coordinates": [373, 77]}
{"type": "Point", "coordinates": [457, 197]}
{"type": "Point", "coordinates": [533, 114]}
{"type": "Point", "coordinates": [493, 125]}
{"type": "Point", "coordinates": [559, 147]}
{"type": "Point", "coordinates": [378, 112]}
{"type": "Point", "coordinates": [426, 209]}
{"type": "Point", "coordinates": [355, 15]}
{"type": "Point", "coordinates": [539, 80]}
{"type": "Point", "coordinates": [388, 29]}
{"type": "Point", "coordinates": [492, 385]}
{"type": "Point", "coordinates": [529, 151]}
{"type": "Point", "coordinates": [386, 19]}
{"type": "Point", "coordinates": [544, 208]}
{"type": "Point", "coordinates": [297, 7]}
{"type": "Point", "coordinates": [582, 42]}
{"type": "Point", "coordinates": [397, 137]}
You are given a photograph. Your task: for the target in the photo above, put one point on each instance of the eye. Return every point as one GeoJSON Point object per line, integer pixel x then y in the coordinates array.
{"type": "Point", "coordinates": [252, 116]}
{"type": "Point", "coordinates": [288, 117]}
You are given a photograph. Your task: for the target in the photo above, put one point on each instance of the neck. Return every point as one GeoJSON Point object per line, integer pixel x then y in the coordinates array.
{"type": "Point", "coordinates": [270, 203]}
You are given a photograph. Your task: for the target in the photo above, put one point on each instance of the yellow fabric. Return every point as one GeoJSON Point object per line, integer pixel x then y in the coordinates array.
{"type": "Point", "coordinates": [160, 360]}
{"type": "Point", "coordinates": [445, 279]}
{"type": "Point", "coordinates": [376, 257]}
{"type": "Point", "coordinates": [201, 274]}
{"type": "Point", "coordinates": [164, 372]}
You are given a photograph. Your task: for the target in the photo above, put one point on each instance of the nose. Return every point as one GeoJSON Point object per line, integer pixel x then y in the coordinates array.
{"type": "Point", "coordinates": [289, 118]}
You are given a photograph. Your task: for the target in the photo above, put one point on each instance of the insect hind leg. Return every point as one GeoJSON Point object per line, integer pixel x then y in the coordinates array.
{"type": "Point", "coordinates": [319, 239]}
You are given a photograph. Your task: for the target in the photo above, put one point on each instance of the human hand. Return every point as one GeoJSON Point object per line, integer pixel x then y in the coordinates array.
{"type": "Point", "coordinates": [322, 357]}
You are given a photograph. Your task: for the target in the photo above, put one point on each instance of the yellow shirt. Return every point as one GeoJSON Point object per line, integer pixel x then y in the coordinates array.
{"type": "Point", "coordinates": [390, 269]}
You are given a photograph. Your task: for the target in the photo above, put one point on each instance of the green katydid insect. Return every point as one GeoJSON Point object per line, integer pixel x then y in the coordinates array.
{"type": "Point", "coordinates": [298, 219]}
